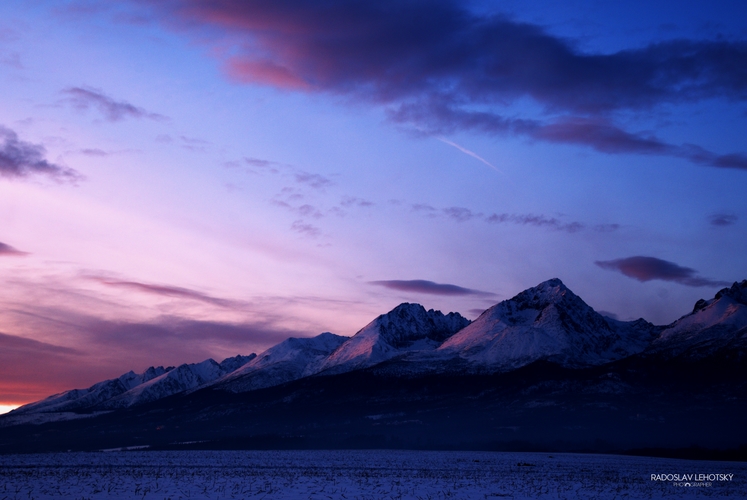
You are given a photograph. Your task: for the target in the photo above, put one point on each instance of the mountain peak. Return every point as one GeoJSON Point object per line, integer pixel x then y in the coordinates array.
{"type": "Point", "coordinates": [405, 328]}
{"type": "Point", "coordinates": [408, 322]}
{"type": "Point", "coordinates": [738, 292]}
{"type": "Point", "coordinates": [547, 322]}
{"type": "Point", "coordinates": [548, 292]}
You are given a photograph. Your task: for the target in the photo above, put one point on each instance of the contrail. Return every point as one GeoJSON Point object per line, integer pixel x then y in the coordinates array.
{"type": "Point", "coordinates": [471, 153]}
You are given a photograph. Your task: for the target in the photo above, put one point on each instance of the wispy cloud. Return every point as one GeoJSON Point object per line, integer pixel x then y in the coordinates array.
{"type": "Point", "coordinates": [168, 291]}
{"type": "Point", "coordinates": [7, 250]}
{"type": "Point", "coordinates": [441, 67]}
{"type": "Point", "coordinates": [464, 214]}
{"type": "Point", "coordinates": [94, 152]}
{"type": "Point", "coordinates": [271, 166]}
{"type": "Point", "coordinates": [315, 181]}
{"type": "Point", "coordinates": [305, 210]}
{"type": "Point", "coordinates": [83, 98]}
{"type": "Point", "coordinates": [460, 214]}
{"type": "Point", "coordinates": [543, 221]}
{"type": "Point", "coordinates": [20, 159]}
{"type": "Point", "coordinates": [306, 229]}
{"type": "Point", "coordinates": [352, 201]}
{"type": "Point", "coordinates": [429, 287]}
{"type": "Point", "coordinates": [644, 269]}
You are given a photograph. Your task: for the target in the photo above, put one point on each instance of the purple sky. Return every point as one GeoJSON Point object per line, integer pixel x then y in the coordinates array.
{"type": "Point", "coordinates": [185, 179]}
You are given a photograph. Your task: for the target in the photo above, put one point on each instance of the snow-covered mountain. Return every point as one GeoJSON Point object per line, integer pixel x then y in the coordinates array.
{"type": "Point", "coordinates": [135, 388]}
{"type": "Point", "coordinates": [406, 328]}
{"type": "Point", "coordinates": [94, 395]}
{"type": "Point", "coordinates": [716, 324]}
{"type": "Point", "coordinates": [291, 359]}
{"type": "Point", "coordinates": [547, 322]}
{"type": "Point", "coordinates": [180, 379]}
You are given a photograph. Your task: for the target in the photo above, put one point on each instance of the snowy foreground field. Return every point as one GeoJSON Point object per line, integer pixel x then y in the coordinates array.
{"type": "Point", "coordinates": [375, 474]}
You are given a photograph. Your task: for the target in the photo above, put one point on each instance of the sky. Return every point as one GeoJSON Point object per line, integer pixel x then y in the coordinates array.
{"type": "Point", "coordinates": [185, 179]}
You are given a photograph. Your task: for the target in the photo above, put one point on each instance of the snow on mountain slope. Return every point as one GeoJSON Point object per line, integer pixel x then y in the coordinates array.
{"type": "Point", "coordinates": [546, 322]}
{"type": "Point", "coordinates": [181, 379]}
{"type": "Point", "coordinates": [290, 360]}
{"type": "Point", "coordinates": [94, 395]}
{"type": "Point", "coordinates": [713, 324]}
{"type": "Point", "coordinates": [406, 328]}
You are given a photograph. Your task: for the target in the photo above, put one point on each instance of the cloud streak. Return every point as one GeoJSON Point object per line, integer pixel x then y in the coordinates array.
{"type": "Point", "coordinates": [644, 269]}
{"type": "Point", "coordinates": [7, 250]}
{"type": "Point", "coordinates": [463, 214]}
{"type": "Point", "coordinates": [442, 67]}
{"type": "Point", "coordinates": [168, 291]}
{"type": "Point", "coordinates": [429, 287]}
{"type": "Point", "coordinates": [469, 153]}
{"type": "Point", "coordinates": [20, 159]}
{"type": "Point", "coordinates": [83, 98]}
{"type": "Point", "coordinates": [545, 222]}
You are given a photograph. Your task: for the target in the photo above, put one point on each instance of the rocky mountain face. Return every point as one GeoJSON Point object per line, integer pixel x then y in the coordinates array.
{"type": "Point", "coordinates": [530, 368]}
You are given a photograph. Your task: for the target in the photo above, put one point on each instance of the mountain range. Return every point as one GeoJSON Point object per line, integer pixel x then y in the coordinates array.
{"type": "Point", "coordinates": [540, 370]}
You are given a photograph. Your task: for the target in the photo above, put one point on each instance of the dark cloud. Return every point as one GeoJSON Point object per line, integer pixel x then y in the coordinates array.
{"type": "Point", "coordinates": [442, 67]}
{"type": "Point", "coordinates": [429, 287]}
{"type": "Point", "coordinates": [538, 221]}
{"type": "Point", "coordinates": [350, 201]}
{"type": "Point", "coordinates": [168, 291]}
{"type": "Point", "coordinates": [314, 180]}
{"type": "Point", "coordinates": [476, 312]}
{"type": "Point", "coordinates": [94, 152]}
{"type": "Point", "coordinates": [463, 214]}
{"type": "Point", "coordinates": [423, 207]}
{"type": "Point", "coordinates": [194, 143]}
{"type": "Point", "coordinates": [7, 250]}
{"type": "Point", "coordinates": [305, 229]}
{"type": "Point", "coordinates": [304, 210]}
{"type": "Point", "coordinates": [460, 214]}
{"type": "Point", "coordinates": [650, 268]}
{"type": "Point", "coordinates": [85, 97]}
{"type": "Point", "coordinates": [257, 162]}
{"type": "Point", "coordinates": [19, 159]}
{"type": "Point", "coordinates": [606, 228]}
{"type": "Point", "coordinates": [723, 219]}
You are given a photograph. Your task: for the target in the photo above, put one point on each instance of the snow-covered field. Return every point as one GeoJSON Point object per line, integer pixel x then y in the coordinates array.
{"type": "Point", "coordinates": [376, 474]}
